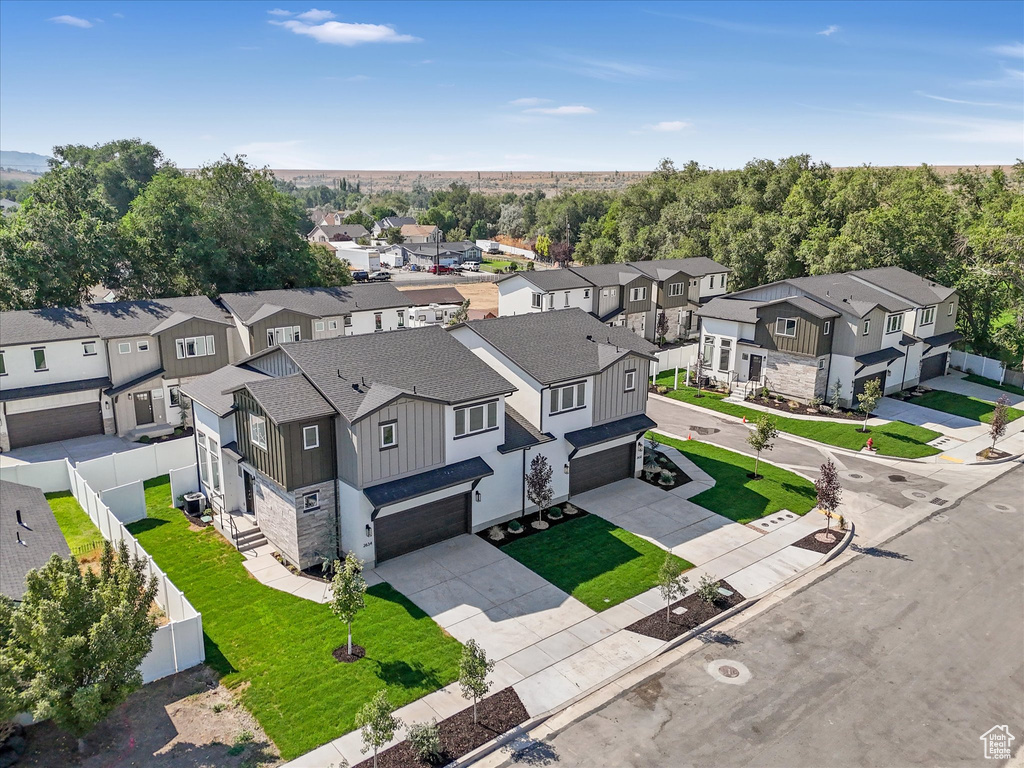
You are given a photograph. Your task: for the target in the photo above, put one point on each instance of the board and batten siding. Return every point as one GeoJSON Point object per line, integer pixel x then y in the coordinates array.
{"type": "Point", "coordinates": [683, 299]}
{"type": "Point", "coordinates": [283, 319]}
{"type": "Point", "coordinates": [644, 304]}
{"type": "Point", "coordinates": [134, 363]}
{"type": "Point", "coordinates": [420, 446]}
{"type": "Point", "coordinates": [606, 304]}
{"type": "Point", "coordinates": [611, 400]}
{"type": "Point", "coordinates": [809, 339]}
{"type": "Point", "coordinates": [193, 366]}
{"type": "Point", "coordinates": [275, 363]}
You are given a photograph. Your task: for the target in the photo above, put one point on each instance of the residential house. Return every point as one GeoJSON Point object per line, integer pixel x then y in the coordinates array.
{"type": "Point", "coordinates": [543, 290]}
{"type": "Point", "coordinates": [29, 536]}
{"type": "Point", "coordinates": [357, 256]}
{"type": "Point", "coordinates": [424, 255]}
{"type": "Point", "coordinates": [335, 218]}
{"type": "Point", "coordinates": [336, 233]}
{"type": "Point", "coordinates": [420, 233]}
{"type": "Point", "coordinates": [811, 337]}
{"type": "Point", "coordinates": [622, 296]}
{"type": "Point", "coordinates": [391, 222]}
{"type": "Point", "coordinates": [268, 318]}
{"type": "Point", "coordinates": [678, 288]}
{"type": "Point", "coordinates": [432, 306]}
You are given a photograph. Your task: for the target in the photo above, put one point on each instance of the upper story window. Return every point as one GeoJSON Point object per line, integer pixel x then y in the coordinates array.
{"type": "Point", "coordinates": [827, 328]}
{"type": "Point", "coordinates": [867, 328]}
{"type": "Point", "coordinates": [39, 358]}
{"type": "Point", "coordinates": [950, 312]}
{"type": "Point", "coordinates": [319, 325]}
{"type": "Point", "coordinates": [638, 294]}
{"type": "Point", "coordinates": [401, 318]}
{"type": "Point", "coordinates": [378, 321]}
{"type": "Point", "coordinates": [711, 282]}
{"type": "Point", "coordinates": [388, 435]}
{"type": "Point", "coordinates": [586, 293]}
{"type": "Point", "coordinates": [724, 353]}
{"type": "Point", "coordinates": [724, 278]}
{"type": "Point", "coordinates": [893, 323]}
{"type": "Point", "coordinates": [310, 437]}
{"type": "Point", "coordinates": [693, 283]}
{"type": "Point", "coordinates": [569, 397]}
{"type": "Point", "coordinates": [476, 418]}
{"type": "Point", "coordinates": [535, 300]}
{"type": "Point", "coordinates": [280, 335]}
{"type": "Point", "coordinates": [142, 346]}
{"type": "Point", "coordinates": [348, 321]}
{"type": "Point", "coordinates": [676, 289]}
{"type": "Point", "coordinates": [258, 431]}
{"type": "Point", "coordinates": [630, 384]}
{"type": "Point", "coordinates": [88, 348]}
{"type": "Point", "coordinates": [785, 326]}
{"type": "Point", "coordinates": [566, 299]}
{"type": "Point", "coordinates": [332, 325]}
{"type": "Point", "coordinates": [194, 346]}
{"type": "Point", "coordinates": [124, 348]}
{"type": "Point", "coordinates": [928, 315]}
{"type": "Point", "coordinates": [3, 365]}
{"type": "Point", "coordinates": [551, 300]}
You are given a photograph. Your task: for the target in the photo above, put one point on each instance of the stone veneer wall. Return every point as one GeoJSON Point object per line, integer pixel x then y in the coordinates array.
{"type": "Point", "coordinates": [317, 530]}
{"type": "Point", "coordinates": [821, 381]}
{"type": "Point", "coordinates": [303, 538]}
{"type": "Point", "coordinates": [792, 375]}
{"type": "Point", "coordinates": [275, 512]}
{"type": "Point", "coordinates": [635, 323]}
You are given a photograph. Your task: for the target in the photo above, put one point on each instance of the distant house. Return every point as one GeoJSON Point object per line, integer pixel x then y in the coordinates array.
{"type": "Point", "coordinates": [425, 254]}
{"type": "Point", "coordinates": [29, 536]}
{"type": "Point", "coordinates": [333, 233]}
{"type": "Point", "coordinates": [336, 218]}
{"type": "Point", "coordinates": [432, 306]}
{"type": "Point", "coordinates": [420, 233]}
{"type": "Point", "coordinates": [391, 222]}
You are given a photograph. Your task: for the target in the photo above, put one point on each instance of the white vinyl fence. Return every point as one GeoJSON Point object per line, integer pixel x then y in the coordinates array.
{"type": "Point", "coordinates": [677, 357]}
{"type": "Point", "coordinates": [983, 366]}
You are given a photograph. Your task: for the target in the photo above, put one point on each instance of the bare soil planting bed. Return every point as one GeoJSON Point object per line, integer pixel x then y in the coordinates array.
{"type": "Point", "coordinates": [815, 541]}
{"type": "Point", "coordinates": [697, 612]}
{"type": "Point", "coordinates": [496, 715]}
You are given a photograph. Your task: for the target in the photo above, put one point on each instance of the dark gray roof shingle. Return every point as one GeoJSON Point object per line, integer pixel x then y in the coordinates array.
{"type": "Point", "coordinates": [288, 398]}
{"type": "Point", "coordinates": [697, 266]}
{"type": "Point", "coordinates": [520, 433]}
{"type": "Point", "coordinates": [608, 274]}
{"type": "Point", "coordinates": [60, 388]}
{"type": "Point", "coordinates": [631, 425]}
{"type": "Point", "coordinates": [214, 389]}
{"type": "Point", "coordinates": [552, 279]}
{"type": "Point", "coordinates": [420, 297]}
{"type": "Point", "coordinates": [33, 326]}
{"type": "Point", "coordinates": [317, 302]}
{"type": "Point", "coordinates": [423, 483]}
{"type": "Point", "coordinates": [28, 546]}
{"type": "Point", "coordinates": [911, 287]}
{"type": "Point", "coordinates": [117, 319]}
{"type": "Point", "coordinates": [736, 310]}
{"type": "Point", "coordinates": [354, 231]}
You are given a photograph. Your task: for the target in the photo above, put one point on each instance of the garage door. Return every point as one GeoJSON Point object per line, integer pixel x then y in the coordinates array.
{"type": "Point", "coordinates": [859, 384]}
{"type": "Point", "coordinates": [54, 424]}
{"type": "Point", "coordinates": [933, 366]}
{"type": "Point", "coordinates": [421, 526]}
{"type": "Point", "coordinates": [601, 468]}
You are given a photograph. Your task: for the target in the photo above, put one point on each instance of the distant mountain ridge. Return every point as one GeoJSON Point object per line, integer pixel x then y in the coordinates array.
{"type": "Point", "coordinates": [24, 161]}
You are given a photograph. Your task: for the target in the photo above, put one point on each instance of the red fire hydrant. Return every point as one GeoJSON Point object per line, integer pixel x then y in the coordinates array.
{"type": "Point", "coordinates": [871, 444]}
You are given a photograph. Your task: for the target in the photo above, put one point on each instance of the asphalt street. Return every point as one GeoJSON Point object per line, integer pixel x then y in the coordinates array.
{"type": "Point", "coordinates": [904, 656]}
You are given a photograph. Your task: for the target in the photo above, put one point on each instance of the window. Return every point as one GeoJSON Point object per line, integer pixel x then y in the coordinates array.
{"type": "Point", "coordinates": [676, 289]}
{"type": "Point", "coordinates": [724, 278]}
{"type": "Point", "coordinates": [637, 294]}
{"type": "Point", "coordinates": [949, 313]}
{"type": "Point", "coordinates": [281, 335]}
{"type": "Point", "coordinates": [711, 282]}
{"type": "Point", "coordinates": [785, 326]}
{"type": "Point", "coordinates": [311, 501]}
{"type": "Point", "coordinates": [821, 364]}
{"type": "Point", "coordinates": [893, 323]}
{"type": "Point", "coordinates": [215, 465]}
{"type": "Point", "coordinates": [476, 418]}
{"type": "Point", "coordinates": [401, 319]}
{"type": "Point", "coordinates": [927, 315]}
{"type": "Point", "coordinates": [709, 349]}
{"type": "Point", "coordinates": [378, 323]}
{"type": "Point", "coordinates": [566, 299]}
{"type": "Point", "coordinates": [175, 396]}
{"type": "Point", "coordinates": [3, 365]}
{"type": "Point", "coordinates": [194, 346]}
{"type": "Point", "coordinates": [535, 300]}
{"type": "Point", "coordinates": [604, 292]}
{"type": "Point", "coordinates": [630, 381]}
{"type": "Point", "coordinates": [348, 321]}
{"type": "Point", "coordinates": [311, 437]}
{"type": "Point", "coordinates": [204, 458]}
{"type": "Point", "coordinates": [867, 328]}
{"type": "Point", "coordinates": [388, 435]}
{"type": "Point", "coordinates": [142, 346]}
{"type": "Point", "coordinates": [124, 348]}
{"type": "Point", "coordinates": [693, 283]}
{"type": "Point", "coordinates": [320, 325]}
{"type": "Point", "coordinates": [551, 300]}
{"type": "Point", "coordinates": [827, 329]}
{"type": "Point", "coordinates": [88, 348]}
{"type": "Point", "coordinates": [586, 293]}
{"type": "Point", "coordinates": [258, 431]}
{"type": "Point", "coordinates": [568, 398]}
{"type": "Point", "coordinates": [332, 325]}
{"type": "Point", "coordinates": [39, 357]}
{"type": "Point", "coordinates": [723, 355]}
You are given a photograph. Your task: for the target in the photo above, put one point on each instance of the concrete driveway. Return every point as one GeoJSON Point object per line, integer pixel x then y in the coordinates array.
{"type": "Point", "coordinates": [947, 423]}
{"type": "Point", "coordinates": [78, 449]}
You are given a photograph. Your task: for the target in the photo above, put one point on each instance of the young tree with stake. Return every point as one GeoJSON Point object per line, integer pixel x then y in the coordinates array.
{"type": "Point", "coordinates": [538, 484]}
{"type": "Point", "coordinates": [868, 400]}
{"type": "Point", "coordinates": [473, 670]}
{"type": "Point", "coordinates": [671, 582]}
{"type": "Point", "coordinates": [347, 590]}
{"type": "Point", "coordinates": [662, 327]}
{"type": "Point", "coordinates": [377, 723]}
{"type": "Point", "coordinates": [1000, 418]}
{"type": "Point", "coordinates": [762, 438]}
{"type": "Point", "coordinates": [830, 492]}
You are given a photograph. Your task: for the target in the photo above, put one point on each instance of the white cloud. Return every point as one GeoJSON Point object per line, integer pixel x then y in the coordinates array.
{"type": "Point", "coordinates": [117, 15]}
{"type": "Point", "coordinates": [575, 109]}
{"type": "Point", "coordinates": [279, 12]}
{"type": "Point", "coordinates": [529, 101]}
{"type": "Point", "coordinates": [828, 31]}
{"type": "Point", "coordinates": [314, 15]}
{"type": "Point", "coordinates": [948, 100]}
{"type": "Point", "coordinates": [1014, 50]}
{"type": "Point", "coordinates": [615, 71]}
{"type": "Point", "coordinates": [344, 33]}
{"type": "Point", "coordinates": [71, 21]}
{"type": "Point", "coordinates": [669, 126]}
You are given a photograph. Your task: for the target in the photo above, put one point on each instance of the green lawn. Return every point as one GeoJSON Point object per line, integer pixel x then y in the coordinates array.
{"type": "Point", "coordinates": [276, 648]}
{"type": "Point", "coordinates": [897, 438]}
{"type": "Point", "coordinates": [81, 534]}
{"type": "Point", "coordinates": [976, 379]}
{"type": "Point", "coordinates": [962, 405]}
{"type": "Point", "coordinates": [494, 266]}
{"type": "Point", "coordinates": [596, 562]}
{"type": "Point", "coordinates": [735, 495]}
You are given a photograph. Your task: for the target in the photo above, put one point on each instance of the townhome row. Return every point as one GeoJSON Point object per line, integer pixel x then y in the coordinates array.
{"type": "Point", "coordinates": [382, 445]}
{"type": "Point", "coordinates": [632, 294]}
{"type": "Point", "coordinates": [812, 337]}
{"type": "Point", "coordinates": [116, 368]}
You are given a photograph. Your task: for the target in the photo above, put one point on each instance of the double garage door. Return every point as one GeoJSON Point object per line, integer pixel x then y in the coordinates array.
{"type": "Point", "coordinates": [421, 526]}
{"type": "Point", "coordinates": [933, 366]}
{"type": "Point", "coordinates": [54, 424]}
{"type": "Point", "coordinates": [601, 468]}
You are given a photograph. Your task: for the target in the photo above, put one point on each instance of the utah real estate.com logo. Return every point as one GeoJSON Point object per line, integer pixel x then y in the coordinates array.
{"type": "Point", "coordinates": [997, 742]}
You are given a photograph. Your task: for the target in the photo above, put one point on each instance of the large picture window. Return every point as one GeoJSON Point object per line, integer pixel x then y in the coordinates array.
{"type": "Point", "coordinates": [893, 323]}
{"type": "Point", "coordinates": [476, 418]}
{"type": "Point", "coordinates": [258, 431]}
{"type": "Point", "coordinates": [785, 326]}
{"type": "Point", "coordinates": [676, 289]}
{"type": "Point", "coordinates": [281, 335]}
{"type": "Point", "coordinates": [638, 294]}
{"type": "Point", "coordinates": [194, 346]}
{"type": "Point", "coordinates": [568, 398]}
{"type": "Point", "coordinates": [927, 315]}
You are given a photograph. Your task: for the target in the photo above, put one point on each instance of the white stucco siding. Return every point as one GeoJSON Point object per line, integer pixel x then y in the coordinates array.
{"type": "Point", "coordinates": [364, 321]}
{"type": "Point", "coordinates": [515, 297]}
{"type": "Point", "coordinates": [65, 361]}
{"type": "Point", "coordinates": [568, 421]}
{"type": "Point", "coordinates": [526, 398]}
{"type": "Point", "coordinates": [469, 446]}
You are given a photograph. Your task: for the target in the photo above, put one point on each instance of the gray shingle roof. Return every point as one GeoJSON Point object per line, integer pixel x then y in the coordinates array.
{"type": "Point", "coordinates": [425, 362]}
{"type": "Point", "coordinates": [420, 297]}
{"type": "Point", "coordinates": [737, 310]}
{"type": "Point", "coordinates": [213, 389]}
{"type": "Point", "coordinates": [354, 231]}
{"type": "Point", "coordinates": [842, 292]}
{"type": "Point", "coordinates": [698, 266]}
{"type": "Point", "coordinates": [459, 247]}
{"type": "Point", "coordinates": [40, 536]}
{"type": "Point", "coordinates": [423, 483]}
{"type": "Point", "coordinates": [554, 346]}
{"type": "Point", "coordinates": [631, 425]}
{"type": "Point", "coordinates": [317, 302]}
{"type": "Point", "coordinates": [288, 398]}
{"type": "Point", "coordinates": [608, 274]}
{"type": "Point", "coordinates": [139, 318]}
{"type": "Point", "coordinates": [33, 326]}
{"type": "Point", "coordinates": [552, 279]}
{"type": "Point", "coordinates": [911, 287]}
{"type": "Point", "coordinates": [396, 222]}
{"type": "Point", "coordinates": [520, 433]}
{"type": "Point", "coordinates": [883, 355]}
{"type": "Point", "coordinates": [807, 304]}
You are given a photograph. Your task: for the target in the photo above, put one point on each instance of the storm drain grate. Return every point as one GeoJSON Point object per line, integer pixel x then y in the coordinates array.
{"type": "Point", "coordinates": [939, 502]}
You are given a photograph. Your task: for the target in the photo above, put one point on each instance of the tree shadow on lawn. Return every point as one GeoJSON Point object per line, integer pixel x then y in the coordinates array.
{"type": "Point", "coordinates": [741, 499]}
{"type": "Point", "coordinates": [406, 675]}
{"type": "Point", "coordinates": [146, 524]}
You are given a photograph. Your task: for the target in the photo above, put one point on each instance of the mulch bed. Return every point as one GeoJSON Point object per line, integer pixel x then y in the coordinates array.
{"type": "Point", "coordinates": [991, 454]}
{"type": "Point", "coordinates": [811, 542]}
{"type": "Point", "coordinates": [496, 715]}
{"type": "Point", "coordinates": [697, 612]}
{"type": "Point", "coordinates": [175, 435]}
{"type": "Point", "coordinates": [681, 478]}
{"type": "Point", "coordinates": [341, 653]}
{"type": "Point", "coordinates": [528, 529]}
{"type": "Point", "coordinates": [805, 410]}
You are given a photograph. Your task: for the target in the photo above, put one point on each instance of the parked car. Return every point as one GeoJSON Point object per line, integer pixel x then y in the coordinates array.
{"type": "Point", "coordinates": [471, 266]}
{"type": "Point", "coordinates": [360, 275]}
{"type": "Point", "coordinates": [381, 275]}
{"type": "Point", "coordinates": [439, 269]}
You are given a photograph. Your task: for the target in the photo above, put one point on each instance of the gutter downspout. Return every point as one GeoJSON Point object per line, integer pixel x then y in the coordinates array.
{"type": "Point", "coordinates": [522, 512]}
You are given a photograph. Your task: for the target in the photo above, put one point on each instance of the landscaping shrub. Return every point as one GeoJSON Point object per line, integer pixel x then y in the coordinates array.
{"type": "Point", "coordinates": [515, 526]}
{"type": "Point", "coordinates": [555, 513]}
{"type": "Point", "coordinates": [425, 739]}
{"type": "Point", "coordinates": [707, 590]}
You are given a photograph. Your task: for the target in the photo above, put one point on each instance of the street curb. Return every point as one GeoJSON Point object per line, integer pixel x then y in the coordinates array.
{"type": "Point", "coordinates": [992, 463]}
{"type": "Point", "coordinates": [498, 742]}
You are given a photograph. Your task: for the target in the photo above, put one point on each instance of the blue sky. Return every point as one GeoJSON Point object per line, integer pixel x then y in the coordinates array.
{"type": "Point", "coordinates": [518, 86]}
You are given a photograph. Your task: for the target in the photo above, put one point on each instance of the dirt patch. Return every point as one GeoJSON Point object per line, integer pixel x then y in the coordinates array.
{"type": "Point", "coordinates": [816, 542]}
{"type": "Point", "coordinates": [482, 296]}
{"type": "Point", "coordinates": [992, 454]}
{"type": "Point", "coordinates": [341, 653]}
{"type": "Point", "coordinates": [792, 406]}
{"type": "Point", "coordinates": [696, 612]}
{"type": "Point", "coordinates": [459, 734]}
{"type": "Point", "coordinates": [187, 720]}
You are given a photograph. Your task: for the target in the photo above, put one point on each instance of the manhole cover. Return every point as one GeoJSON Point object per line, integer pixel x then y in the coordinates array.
{"type": "Point", "coordinates": [1002, 507]}
{"type": "Point", "coordinates": [897, 478]}
{"type": "Point", "coordinates": [919, 494]}
{"type": "Point", "coordinates": [729, 671]}
{"type": "Point", "coordinates": [856, 476]}
{"type": "Point", "coordinates": [941, 517]}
